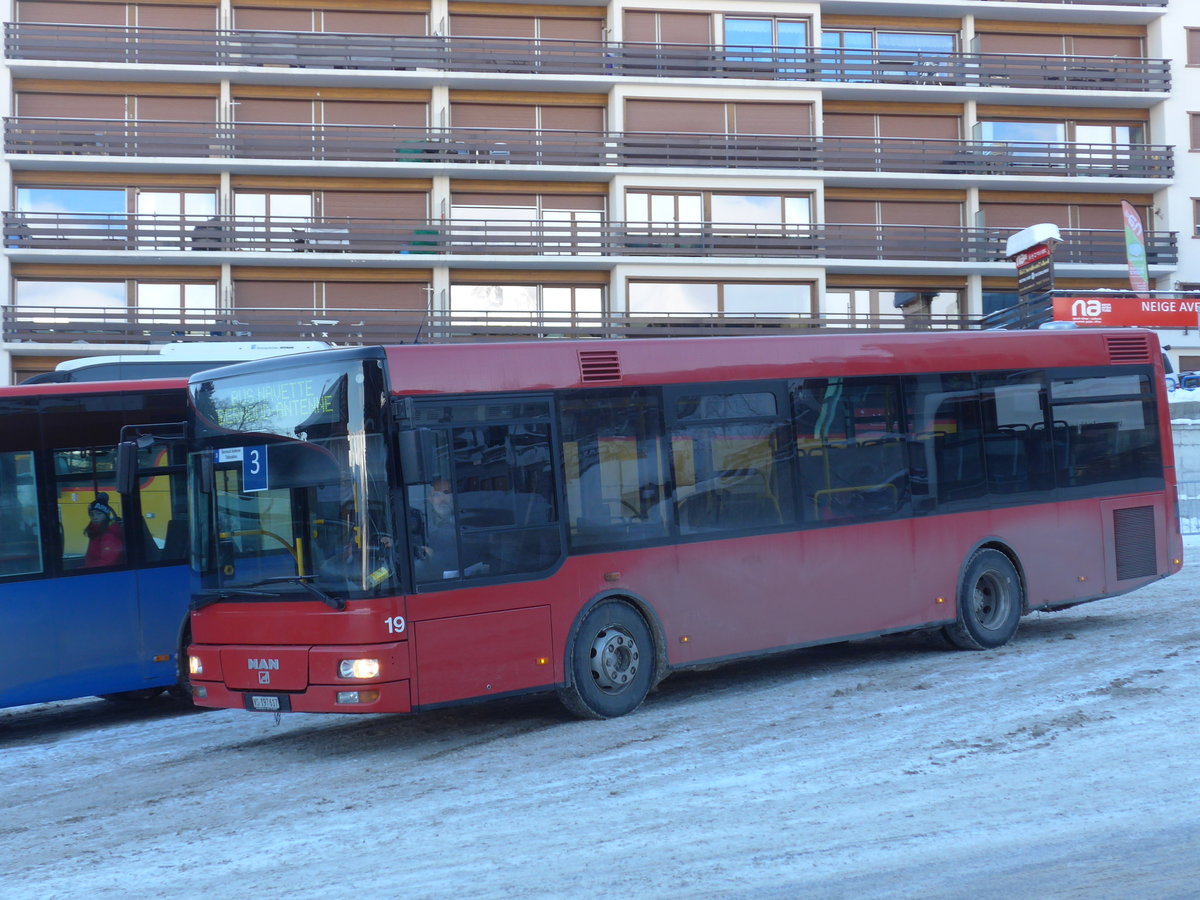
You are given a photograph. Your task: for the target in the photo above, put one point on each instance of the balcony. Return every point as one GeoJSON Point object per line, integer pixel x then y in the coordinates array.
{"type": "Point", "coordinates": [69, 324]}
{"type": "Point", "coordinates": [61, 234]}
{"type": "Point", "coordinates": [510, 147]}
{"type": "Point", "coordinates": [187, 47]}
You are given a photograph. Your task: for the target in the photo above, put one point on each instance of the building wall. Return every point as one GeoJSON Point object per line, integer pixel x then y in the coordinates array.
{"type": "Point", "coordinates": [900, 177]}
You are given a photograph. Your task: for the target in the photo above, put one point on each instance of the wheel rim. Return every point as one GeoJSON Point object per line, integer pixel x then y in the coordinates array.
{"type": "Point", "coordinates": [615, 659]}
{"type": "Point", "coordinates": [991, 601]}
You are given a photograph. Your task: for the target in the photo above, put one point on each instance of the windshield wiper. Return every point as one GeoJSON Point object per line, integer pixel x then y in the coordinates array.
{"type": "Point", "coordinates": [329, 600]}
{"type": "Point", "coordinates": [205, 598]}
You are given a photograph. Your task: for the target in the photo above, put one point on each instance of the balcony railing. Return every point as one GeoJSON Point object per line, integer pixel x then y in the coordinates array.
{"type": "Point", "coordinates": [68, 324]}
{"type": "Point", "coordinates": [501, 146]}
{"type": "Point", "coordinates": [109, 233]}
{"type": "Point", "coordinates": [171, 46]}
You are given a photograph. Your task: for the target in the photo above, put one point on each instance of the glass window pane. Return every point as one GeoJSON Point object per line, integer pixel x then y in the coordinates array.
{"type": "Point", "coordinates": [767, 299]}
{"type": "Point", "coordinates": [65, 200]}
{"type": "Point", "coordinates": [21, 537]}
{"type": "Point", "coordinates": [748, 32]}
{"type": "Point", "coordinates": [792, 34]}
{"type": "Point", "coordinates": [614, 465]}
{"type": "Point", "coordinates": [89, 509]}
{"type": "Point", "coordinates": [76, 294]}
{"type": "Point", "coordinates": [914, 42]}
{"type": "Point", "coordinates": [750, 208]}
{"type": "Point", "coordinates": [651, 298]}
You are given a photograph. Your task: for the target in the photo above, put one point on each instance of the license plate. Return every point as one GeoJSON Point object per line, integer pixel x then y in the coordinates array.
{"type": "Point", "coordinates": [267, 703]}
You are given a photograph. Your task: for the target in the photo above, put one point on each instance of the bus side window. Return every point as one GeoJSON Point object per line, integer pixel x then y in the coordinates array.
{"type": "Point", "coordinates": [946, 441]}
{"type": "Point", "coordinates": [1105, 427]}
{"type": "Point", "coordinates": [84, 483]}
{"type": "Point", "coordinates": [853, 457]}
{"type": "Point", "coordinates": [732, 458]}
{"type": "Point", "coordinates": [20, 534]}
{"type": "Point", "coordinates": [614, 466]}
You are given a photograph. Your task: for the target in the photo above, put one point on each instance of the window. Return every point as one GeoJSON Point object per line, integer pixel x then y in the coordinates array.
{"type": "Point", "coordinates": [52, 302]}
{"type": "Point", "coordinates": [1193, 46]}
{"type": "Point", "coordinates": [740, 213]}
{"type": "Point", "coordinates": [71, 214]}
{"type": "Point", "coordinates": [946, 435]}
{"type": "Point", "coordinates": [488, 507]}
{"type": "Point", "coordinates": [732, 461]}
{"type": "Point", "coordinates": [283, 216]}
{"type": "Point", "coordinates": [615, 467]}
{"type": "Point", "coordinates": [765, 34]}
{"type": "Point", "coordinates": [89, 508]}
{"type": "Point", "coordinates": [162, 531]}
{"type": "Point", "coordinates": [722, 298]}
{"type": "Point", "coordinates": [851, 449]}
{"type": "Point", "coordinates": [526, 303]}
{"type": "Point", "coordinates": [1104, 431]}
{"type": "Point", "coordinates": [1194, 126]}
{"type": "Point", "coordinates": [21, 537]}
{"type": "Point", "coordinates": [856, 54]}
{"type": "Point", "coordinates": [932, 307]}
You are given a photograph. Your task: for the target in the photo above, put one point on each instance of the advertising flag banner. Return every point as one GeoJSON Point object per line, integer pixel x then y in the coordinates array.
{"type": "Point", "coordinates": [1135, 248]}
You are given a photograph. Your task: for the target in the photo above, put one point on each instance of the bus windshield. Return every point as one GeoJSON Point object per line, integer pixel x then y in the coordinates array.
{"type": "Point", "coordinates": [290, 485]}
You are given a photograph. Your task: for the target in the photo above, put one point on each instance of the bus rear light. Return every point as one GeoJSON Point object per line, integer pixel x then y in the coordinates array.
{"type": "Point", "coordinates": [347, 698]}
{"type": "Point", "coordinates": [358, 668]}
{"type": "Point", "coordinates": [195, 665]}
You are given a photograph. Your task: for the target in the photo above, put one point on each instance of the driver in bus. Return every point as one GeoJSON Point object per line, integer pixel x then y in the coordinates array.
{"type": "Point", "coordinates": [437, 556]}
{"type": "Point", "coordinates": [105, 534]}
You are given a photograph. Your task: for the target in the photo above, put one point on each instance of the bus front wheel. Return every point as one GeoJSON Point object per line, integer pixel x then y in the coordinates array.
{"type": "Point", "coordinates": [611, 663]}
{"type": "Point", "coordinates": [990, 602]}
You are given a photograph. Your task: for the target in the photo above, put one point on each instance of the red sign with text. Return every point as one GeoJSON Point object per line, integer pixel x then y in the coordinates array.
{"type": "Point", "coordinates": [1139, 311]}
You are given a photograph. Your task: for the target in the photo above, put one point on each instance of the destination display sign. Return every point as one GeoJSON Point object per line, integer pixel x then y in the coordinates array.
{"type": "Point", "coordinates": [289, 407]}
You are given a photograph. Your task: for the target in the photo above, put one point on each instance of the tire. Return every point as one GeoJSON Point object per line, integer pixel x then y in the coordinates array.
{"type": "Point", "coordinates": [610, 663]}
{"type": "Point", "coordinates": [990, 603]}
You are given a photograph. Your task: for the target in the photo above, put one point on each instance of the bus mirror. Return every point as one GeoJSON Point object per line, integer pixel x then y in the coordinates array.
{"type": "Point", "coordinates": [416, 455]}
{"type": "Point", "coordinates": [127, 467]}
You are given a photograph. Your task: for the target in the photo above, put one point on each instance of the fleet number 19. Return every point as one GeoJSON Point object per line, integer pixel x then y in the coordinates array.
{"type": "Point", "coordinates": [395, 624]}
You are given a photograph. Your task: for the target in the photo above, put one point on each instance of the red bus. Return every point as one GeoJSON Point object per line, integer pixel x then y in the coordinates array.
{"type": "Point", "coordinates": [395, 529]}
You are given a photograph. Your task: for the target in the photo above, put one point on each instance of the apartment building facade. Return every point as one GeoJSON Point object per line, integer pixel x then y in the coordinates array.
{"type": "Point", "coordinates": [378, 171]}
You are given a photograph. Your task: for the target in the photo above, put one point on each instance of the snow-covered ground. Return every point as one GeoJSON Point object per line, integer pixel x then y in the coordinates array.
{"type": "Point", "coordinates": [1065, 765]}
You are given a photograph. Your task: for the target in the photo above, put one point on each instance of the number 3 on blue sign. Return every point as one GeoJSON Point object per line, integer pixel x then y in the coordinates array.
{"type": "Point", "coordinates": [254, 469]}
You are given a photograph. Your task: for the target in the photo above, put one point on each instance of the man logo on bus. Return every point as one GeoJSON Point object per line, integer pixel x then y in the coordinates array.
{"type": "Point", "coordinates": [262, 664]}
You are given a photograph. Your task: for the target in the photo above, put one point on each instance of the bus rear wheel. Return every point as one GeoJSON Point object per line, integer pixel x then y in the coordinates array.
{"type": "Point", "coordinates": [610, 663]}
{"type": "Point", "coordinates": [990, 603]}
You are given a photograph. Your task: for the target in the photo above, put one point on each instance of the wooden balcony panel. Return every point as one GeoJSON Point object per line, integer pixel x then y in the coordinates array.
{"type": "Point", "coordinates": [256, 140]}
{"type": "Point", "coordinates": [52, 231]}
{"type": "Point", "coordinates": [94, 43]}
{"type": "Point", "coordinates": [63, 324]}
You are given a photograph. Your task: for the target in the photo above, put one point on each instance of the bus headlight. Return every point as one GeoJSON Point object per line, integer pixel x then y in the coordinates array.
{"type": "Point", "coordinates": [358, 668]}
{"type": "Point", "coordinates": [195, 666]}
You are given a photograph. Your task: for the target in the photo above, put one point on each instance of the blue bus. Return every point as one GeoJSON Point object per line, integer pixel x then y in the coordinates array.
{"type": "Point", "coordinates": [93, 581]}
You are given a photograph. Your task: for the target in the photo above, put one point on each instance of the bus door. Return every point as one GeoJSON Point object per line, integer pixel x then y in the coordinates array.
{"type": "Point", "coordinates": [159, 546]}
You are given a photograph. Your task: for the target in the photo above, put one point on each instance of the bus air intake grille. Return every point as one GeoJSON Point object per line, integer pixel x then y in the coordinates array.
{"type": "Point", "coordinates": [599, 365]}
{"type": "Point", "coordinates": [1133, 534]}
{"type": "Point", "coordinates": [1134, 348]}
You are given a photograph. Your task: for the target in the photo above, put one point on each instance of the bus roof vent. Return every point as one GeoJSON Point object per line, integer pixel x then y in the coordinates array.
{"type": "Point", "coordinates": [1133, 348]}
{"type": "Point", "coordinates": [599, 365]}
